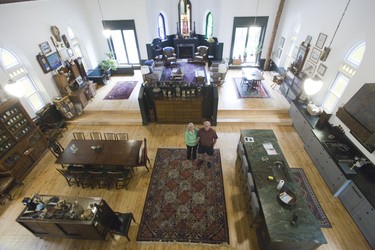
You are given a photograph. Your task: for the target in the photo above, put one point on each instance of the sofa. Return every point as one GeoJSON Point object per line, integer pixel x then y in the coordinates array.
{"type": "Point", "coordinates": [155, 71]}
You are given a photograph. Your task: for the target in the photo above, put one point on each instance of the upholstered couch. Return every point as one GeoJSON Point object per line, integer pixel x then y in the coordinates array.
{"type": "Point", "coordinates": [155, 71]}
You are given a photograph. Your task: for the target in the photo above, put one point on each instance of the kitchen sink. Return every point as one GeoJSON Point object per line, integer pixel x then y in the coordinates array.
{"type": "Point", "coordinates": [280, 172]}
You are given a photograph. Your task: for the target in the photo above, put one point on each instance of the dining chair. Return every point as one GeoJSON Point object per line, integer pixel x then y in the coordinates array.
{"type": "Point", "coordinates": [79, 136]}
{"type": "Point", "coordinates": [6, 183]}
{"type": "Point", "coordinates": [68, 176]}
{"type": "Point", "coordinates": [82, 178]}
{"type": "Point", "coordinates": [122, 136]}
{"type": "Point", "coordinates": [110, 136]}
{"type": "Point", "coordinates": [99, 178]}
{"type": "Point", "coordinates": [96, 135]}
{"type": "Point", "coordinates": [240, 153]}
{"type": "Point", "coordinates": [119, 178]}
{"type": "Point", "coordinates": [116, 222]}
{"type": "Point", "coordinates": [143, 158]}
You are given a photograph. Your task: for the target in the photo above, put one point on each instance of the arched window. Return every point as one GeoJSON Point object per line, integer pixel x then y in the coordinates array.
{"type": "Point", "coordinates": [209, 25]}
{"type": "Point", "coordinates": [20, 83]}
{"type": "Point", "coordinates": [161, 26]}
{"type": "Point", "coordinates": [346, 71]}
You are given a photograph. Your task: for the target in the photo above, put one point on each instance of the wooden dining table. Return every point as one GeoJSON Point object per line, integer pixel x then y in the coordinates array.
{"type": "Point", "coordinates": [252, 77]}
{"type": "Point", "coordinates": [112, 153]}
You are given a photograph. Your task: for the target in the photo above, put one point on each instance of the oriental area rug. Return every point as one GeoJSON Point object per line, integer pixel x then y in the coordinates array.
{"type": "Point", "coordinates": [188, 69]}
{"type": "Point", "coordinates": [242, 92]}
{"type": "Point", "coordinates": [121, 90]}
{"type": "Point", "coordinates": [184, 202]}
{"type": "Point", "coordinates": [309, 195]}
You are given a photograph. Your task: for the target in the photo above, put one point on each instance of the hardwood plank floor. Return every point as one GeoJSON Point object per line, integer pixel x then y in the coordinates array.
{"type": "Point", "coordinates": [44, 179]}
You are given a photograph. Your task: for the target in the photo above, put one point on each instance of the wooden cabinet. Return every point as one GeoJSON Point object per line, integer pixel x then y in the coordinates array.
{"type": "Point", "coordinates": [178, 110]}
{"type": "Point", "coordinates": [60, 224]}
{"type": "Point", "coordinates": [361, 210]}
{"type": "Point", "coordinates": [291, 87]}
{"type": "Point", "coordinates": [79, 96]}
{"type": "Point", "coordinates": [21, 142]}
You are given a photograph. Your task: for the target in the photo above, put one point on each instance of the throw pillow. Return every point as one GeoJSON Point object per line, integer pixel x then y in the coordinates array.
{"type": "Point", "coordinates": [149, 62]}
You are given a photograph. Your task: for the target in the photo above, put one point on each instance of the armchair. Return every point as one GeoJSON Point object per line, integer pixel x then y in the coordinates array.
{"type": "Point", "coordinates": [201, 53]}
{"type": "Point", "coordinates": [169, 55]}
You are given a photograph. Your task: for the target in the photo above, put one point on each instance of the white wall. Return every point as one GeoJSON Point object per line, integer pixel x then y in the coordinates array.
{"type": "Point", "coordinates": [25, 25]}
{"type": "Point", "coordinates": [319, 16]}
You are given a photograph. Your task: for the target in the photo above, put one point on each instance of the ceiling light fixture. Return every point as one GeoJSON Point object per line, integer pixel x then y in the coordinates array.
{"type": "Point", "coordinates": [106, 32]}
{"type": "Point", "coordinates": [326, 50]}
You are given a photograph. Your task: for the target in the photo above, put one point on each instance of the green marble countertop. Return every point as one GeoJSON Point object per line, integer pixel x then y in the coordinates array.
{"type": "Point", "coordinates": [277, 215]}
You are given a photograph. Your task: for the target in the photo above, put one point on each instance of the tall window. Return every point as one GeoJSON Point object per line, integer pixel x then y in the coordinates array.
{"type": "Point", "coordinates": [293, 48]}
{"type": "Point", "coordinates": [346, 71]}
{"type": "Point", "coordinates": [161, 26]}
{"type": "Point", "coordinates": [209, 25]}
{"type": "Point", "coordinates": [123, 41]}
{"type": "Point", "coordinates": [17, 73]}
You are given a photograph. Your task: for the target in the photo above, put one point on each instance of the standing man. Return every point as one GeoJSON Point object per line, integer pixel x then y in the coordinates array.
{"type": "Point", "coordinates": [207, 139]}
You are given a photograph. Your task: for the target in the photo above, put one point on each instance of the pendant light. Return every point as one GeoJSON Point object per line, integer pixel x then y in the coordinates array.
{"type": "Point", "coordinates": [106, 32]}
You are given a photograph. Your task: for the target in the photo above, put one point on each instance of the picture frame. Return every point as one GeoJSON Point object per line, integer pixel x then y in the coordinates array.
{"type": "Point", "coordinates": [42, 60]}
{"type": "Point", "coordinates": [281, 43]}
{"type": "Point", "coordinates": [321, 40]}
{"type": "Point", "coordinates": [279, 51]}
{"type": "Point", "coordinates": [309, 68]}
{"type": "Point", "coordinates": [315, 55]}
{"type": "Point", "coordinates": [45, 48]}
{"type": "Point", "coordinates": [308, 40]}
{"type": "Point", "coordinates": [321, 69]}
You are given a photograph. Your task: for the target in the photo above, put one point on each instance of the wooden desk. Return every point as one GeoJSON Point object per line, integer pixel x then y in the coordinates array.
{"type": "Point", "coordinates": [113, 153]}
{"type": "Point", "coordinates": [276, 232]}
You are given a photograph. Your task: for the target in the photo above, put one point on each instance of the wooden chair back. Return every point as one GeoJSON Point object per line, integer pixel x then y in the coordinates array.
{"type": "Point", "coordinates": [79, 136]}
{"type": "Point", "coordinates": [110, 136]}
{"type": "Point", "coordinates": [96, 136]}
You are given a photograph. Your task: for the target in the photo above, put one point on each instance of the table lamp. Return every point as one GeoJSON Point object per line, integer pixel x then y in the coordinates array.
{"type": "Point", "coordinates": [311, 86]}
{"type": "Point", "coordinates": [222, 70]}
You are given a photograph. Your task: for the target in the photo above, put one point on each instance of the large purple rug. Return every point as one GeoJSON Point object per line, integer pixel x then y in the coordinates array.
{"type": "Point", "coordinates": [309, 195]}
{"type": "Point", "coordinates": [121, 90]}
{"type": "Point", "coordinates": [189, 72]}
{"type": "Point", "coordinates": [184, 202]}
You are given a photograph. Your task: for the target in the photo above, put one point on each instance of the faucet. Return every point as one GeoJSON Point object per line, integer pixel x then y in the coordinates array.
{"type": "Point", "coordinates": [359, 162]}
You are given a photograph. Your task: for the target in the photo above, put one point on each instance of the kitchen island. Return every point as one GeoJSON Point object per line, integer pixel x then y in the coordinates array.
{"type": "Point", "coordinates": [276, 231]}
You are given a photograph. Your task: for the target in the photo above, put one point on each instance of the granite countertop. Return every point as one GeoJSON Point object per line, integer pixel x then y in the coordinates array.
{"type": "Point", "coordinates": [277, 215]}
{"type": "Point", "coordinates": [363, 177]}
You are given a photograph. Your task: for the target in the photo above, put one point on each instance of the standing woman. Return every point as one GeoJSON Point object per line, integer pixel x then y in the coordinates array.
{"type": "Point", "coordinates": [191, 140]}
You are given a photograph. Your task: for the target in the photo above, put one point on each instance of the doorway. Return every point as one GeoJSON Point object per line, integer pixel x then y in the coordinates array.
{"type": "Point", "coordinates": [247, 39]}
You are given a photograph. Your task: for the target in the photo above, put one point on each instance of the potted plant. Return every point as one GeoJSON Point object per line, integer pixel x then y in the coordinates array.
{"type": "Point", "coordinates": [108, 64]}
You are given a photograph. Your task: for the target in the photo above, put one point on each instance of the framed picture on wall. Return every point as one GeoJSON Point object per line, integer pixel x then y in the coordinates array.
{"type": "Point", "coordinates": [322, 69]}
{"type": "Point", "coordinates": [308, 40]}
{"type": "Point", "coordinates": [315, 55]}
{"type": "Point", "coordinates": [45, 48]}
{"type": "Point", "coordinates": [309, 68]}
{"type": "Point", "coordinates": [321, 40]}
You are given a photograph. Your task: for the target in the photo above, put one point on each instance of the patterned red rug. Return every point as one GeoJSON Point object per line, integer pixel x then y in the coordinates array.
{"type": "Point", "coordinates": [242, 92]}
{"type": "Point", "coordinates": [309, 195]}
{"type": "Point", "coordinates": [121, 90]}
{"type": "Point", "coordinates": [184, 203]}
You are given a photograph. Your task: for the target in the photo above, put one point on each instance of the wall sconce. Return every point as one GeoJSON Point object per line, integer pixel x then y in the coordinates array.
{"type": "Point", "coordinates": [14, 88]}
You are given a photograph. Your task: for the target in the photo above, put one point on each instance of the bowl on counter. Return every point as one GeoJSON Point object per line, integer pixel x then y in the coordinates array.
{"type": "Point", "coordinates": [287, 197]}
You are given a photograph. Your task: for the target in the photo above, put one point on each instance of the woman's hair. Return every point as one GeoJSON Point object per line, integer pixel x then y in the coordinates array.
{"type": "Point", "coordinates": [190, 125]}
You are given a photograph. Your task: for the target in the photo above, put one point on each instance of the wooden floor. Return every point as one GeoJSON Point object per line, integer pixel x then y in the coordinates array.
{"type": "Point", "coordinates": [44, 179]}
